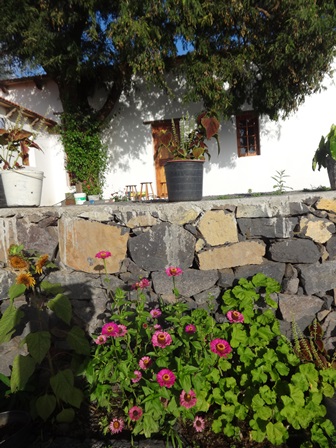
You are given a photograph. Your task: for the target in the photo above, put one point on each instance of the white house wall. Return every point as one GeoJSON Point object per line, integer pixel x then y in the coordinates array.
{"type": "Point", "coordinates": [285, 145]}
{"type": "Point", "coordinates": [45, 102]}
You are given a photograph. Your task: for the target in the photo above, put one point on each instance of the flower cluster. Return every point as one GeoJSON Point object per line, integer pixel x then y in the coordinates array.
{"type": "Point", "coordinates": [28, 265]}
{"type": "Point", "coordinates": [155, 368]}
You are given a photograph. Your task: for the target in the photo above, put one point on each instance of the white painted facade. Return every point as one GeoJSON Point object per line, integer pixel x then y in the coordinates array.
{"type": "Point", "coordinates": [285, 145]}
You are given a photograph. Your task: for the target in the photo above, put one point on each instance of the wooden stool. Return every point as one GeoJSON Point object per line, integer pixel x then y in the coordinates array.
{"type": "Point", "coordinates": [131, 192]}
{"type": "Point", "coordinates": [144, 190]}
{"type": "Point", "coordinates": [164, 193]}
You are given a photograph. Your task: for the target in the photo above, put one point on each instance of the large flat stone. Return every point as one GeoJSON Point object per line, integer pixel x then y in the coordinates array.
{"type": "Point", "coordinates": [218, 227]}
{"type": "Point", "coordinates": [318, 277]}
{"type": "Point", "coordinates": [237, 254]}
{"type": "Point", "coordinates": [161, 246]}
{"type": "Point", "coordinates": [80, 240]}
{"type": "Point", "coordinates": [295, 251]}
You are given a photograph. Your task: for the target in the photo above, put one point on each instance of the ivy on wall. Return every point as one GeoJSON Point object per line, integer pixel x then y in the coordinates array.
{"type": "Point", "coordinates": [86, 155]}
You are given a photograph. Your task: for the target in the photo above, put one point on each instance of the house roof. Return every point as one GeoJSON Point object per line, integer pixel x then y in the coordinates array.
{"type": "Point", "coordinates": [37, 80]}
{"type": "Point", "coordinates": [33, 117]}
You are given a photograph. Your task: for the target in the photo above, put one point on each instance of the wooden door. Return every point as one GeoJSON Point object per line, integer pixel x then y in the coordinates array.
{"type": "Point", "coordinates": [162, 155]}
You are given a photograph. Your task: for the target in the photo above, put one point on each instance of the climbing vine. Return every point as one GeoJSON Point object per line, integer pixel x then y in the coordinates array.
{"type": "Point", "coordinates": [86, 155]}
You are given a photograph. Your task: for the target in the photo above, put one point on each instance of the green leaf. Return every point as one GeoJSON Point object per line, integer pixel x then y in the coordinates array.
{"type": "Point", "coordinates": [8, 322]}
{"type": "Point", "coordinates": [16, 290]}
{"type": "Point", "coordinates": [78, 342]}
{"type": "Point", "coordinates": [51, 289]}
{"type": "Point", "coordinates": [258, 375]}
{"type": "Point", "coordinates": [217, 425]}
{"type": "Point", "coordinates": [258, 432]}
{"type": "Point", "coordinates": [276, 433]}
{"type": "Point", "coordinates": [268, 395]}
{"type": "Point", "coordinates": [246, 355]}
{"type": "Point", "coordinates": [62, 384]}
{"type": "Point", "coordinates": [23, 368]}
{"type": "Point", "coordinates": [218, 395]}
{"type": "Point", "coordinates": [282, 368]}
{"type": "Point", "coordinates": [66, 416]}
{"type": "Point", "coordinates": [214, 375]}
{"type": "Point", "coordinates": [297, 395]}
{"type": "Point", "coordinates": [61, 306]}
{"type": "Point", "coordinates": [45, 406]}
{"type": "Point", "coordinates": [150, 426]}
{"type": "Point", "coordinates": [5, 379]}
{"type": "Point", "coordinates": [239, 336]}
{"type": "Point", "coordinates": [185, 383]}
{"type": "Point", "coordinates": [229, 430]}
{"type": "Point", "coordinates": [38, 344]}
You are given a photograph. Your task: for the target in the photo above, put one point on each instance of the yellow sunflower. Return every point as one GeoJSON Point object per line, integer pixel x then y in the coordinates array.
{"type": "Point", "coordinates": [25, 278]}
{"type": "Point", "coordinates": [40, 263]}
{"type": "Point", "coordinates": [17, 262]}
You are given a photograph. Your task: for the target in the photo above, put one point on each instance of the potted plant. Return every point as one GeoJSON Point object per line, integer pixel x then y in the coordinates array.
{"type": "Point", "coordinates": [187, 148]}
{"type": "Point", "coordinates": [92, 188]}
{"type": "Point", "coordinates": [325, 155]}
{"type": "Point", "coordinates": [22, 184]}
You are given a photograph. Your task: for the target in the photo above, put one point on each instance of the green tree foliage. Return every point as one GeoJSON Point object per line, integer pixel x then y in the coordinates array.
{"type": "Point", "coordinates": [267, 53]}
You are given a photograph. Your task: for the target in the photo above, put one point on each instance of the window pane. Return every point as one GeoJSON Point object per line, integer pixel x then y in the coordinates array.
{"type": "Point", "coordinates": [247, 134]}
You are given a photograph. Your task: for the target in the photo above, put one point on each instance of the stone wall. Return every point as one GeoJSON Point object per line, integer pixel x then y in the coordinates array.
{"type": "Point", "coordinates": [291, 238]}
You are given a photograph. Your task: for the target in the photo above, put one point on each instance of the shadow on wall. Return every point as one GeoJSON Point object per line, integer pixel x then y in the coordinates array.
{"type": "Point", "coordinates": [129, 139]}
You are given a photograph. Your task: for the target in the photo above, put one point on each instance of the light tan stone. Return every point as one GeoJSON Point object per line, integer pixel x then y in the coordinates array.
{"type": "Point", "coordinates": [142, 221]}
{"type": "Point", "coordinates": [326, 204]}
{"type": "Point", "coordinates": [8, 236]}
{"type": "Point", "coordinates": [317, 230]}
{"type": "Point", "coordinates": [80, 240]}
{"type": "Point", "coordinates": [218, 227]}
{"type": "Point", "coordinates": [199, 245]}
{"type": "Point", "coordinates": [184, 216]}
{"type": "Point", "coordinates": [238, 254]}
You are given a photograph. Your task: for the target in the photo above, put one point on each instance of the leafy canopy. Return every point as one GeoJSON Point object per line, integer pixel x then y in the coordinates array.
{"type": "Point", "coordinates": [270, 54]}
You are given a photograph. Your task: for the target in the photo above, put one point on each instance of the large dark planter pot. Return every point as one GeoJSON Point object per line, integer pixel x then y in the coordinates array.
{"type": "Point", "coordinates": [184, 180]}
{"type": "Point", "coordinates": [14, 428]}
{"type": "Point", "coordinates": [331, 168]}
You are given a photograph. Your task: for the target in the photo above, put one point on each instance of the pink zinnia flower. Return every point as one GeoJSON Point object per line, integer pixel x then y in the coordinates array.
{"type": "Point", "coordinates": [155, 313]}
{"type": "Point", "coordinates": [144, 283]}
{"type": "Point", "coordinates": [101, 339]}
{"type": "Point", "coordinates": [122, 330]}
{"type": "Point", "coordinates": [188, 400]}
{"type": "Point", "coordinates": [161, 339]}
{"type": "Point", "coordinates": [173, 271]}
{"type": "Point", "coordinates": [116, 425]}
{"type": "Point", "coordinates": [221, 347]}
{"type": "Point", "coordinates": [199, 424]}
{"type": "Point", "coordinates": [145, 362]}
{"type": "Point", "coordinates": [110, 329]}
{"type": "Point", "coordinates": [235, 316]}
{"type": "Point", "coordinates": [135, 413]}
{"type": "Point", "coordinates": [157, 327]}
{"type": "Point", "coordinates": [103, 254]}
{"type": "Point", "coordinates": [190, 328]}
{"type": "Point", "coordinates": [138, 376]}
{"type": "Point", "coordinates": [166, 378]}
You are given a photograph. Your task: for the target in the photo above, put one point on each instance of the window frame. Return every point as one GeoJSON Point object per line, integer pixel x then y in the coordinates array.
{"type": "Point", "coordinates": [248, 115]}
